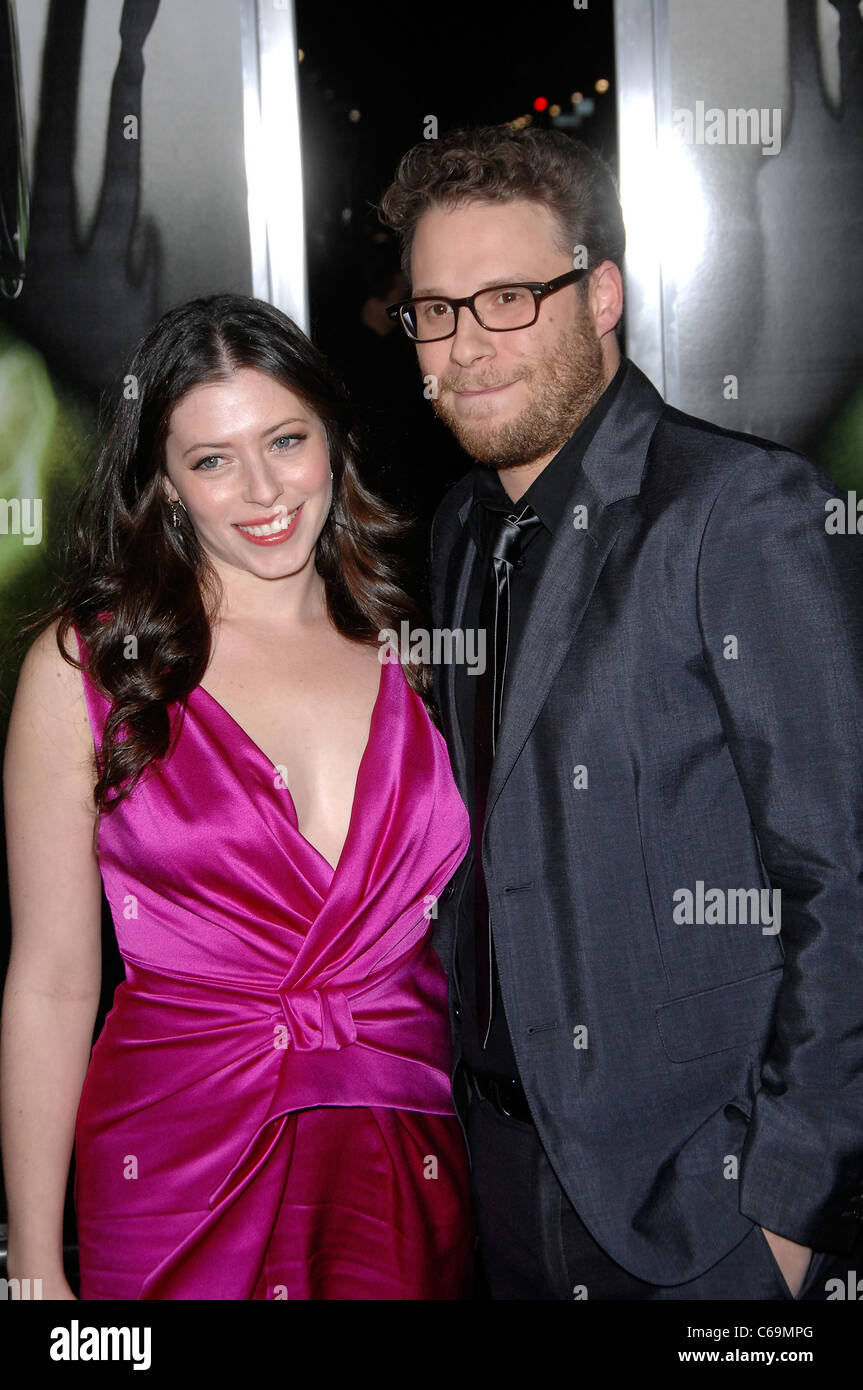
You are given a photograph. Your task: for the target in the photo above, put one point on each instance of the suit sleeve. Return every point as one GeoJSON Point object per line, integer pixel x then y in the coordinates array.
{"type": "Point", "coordinates": [780, 604]}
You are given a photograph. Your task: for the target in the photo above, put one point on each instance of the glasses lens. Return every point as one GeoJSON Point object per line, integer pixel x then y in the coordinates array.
{"type": "Point", "coordinates": [506, 306]}
{"type": "Point", "coordinates": [427, 319]}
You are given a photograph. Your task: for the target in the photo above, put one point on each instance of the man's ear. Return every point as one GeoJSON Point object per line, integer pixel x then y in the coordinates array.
{"type": "Point", "coordinates": [605, 297]}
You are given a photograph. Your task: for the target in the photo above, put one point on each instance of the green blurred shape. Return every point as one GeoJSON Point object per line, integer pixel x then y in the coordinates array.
{"type": "Point", "coordinates": [841, 452]}
{"type": "Point", "coordinates": [28, 414]}
{"type": "Point", "coordinates": [46, 429]}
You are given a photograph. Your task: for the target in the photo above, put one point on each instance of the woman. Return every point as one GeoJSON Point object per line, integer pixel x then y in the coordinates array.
{"type": "Point", "coordinates": [267, 1111]}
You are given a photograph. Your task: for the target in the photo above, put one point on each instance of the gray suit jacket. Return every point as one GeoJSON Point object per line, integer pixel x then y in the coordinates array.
{"type": "Point", "coordinates": [686, 708]}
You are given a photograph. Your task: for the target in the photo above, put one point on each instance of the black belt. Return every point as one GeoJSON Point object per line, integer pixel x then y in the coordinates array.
{"type": "Point", "coordinates": [507, 1097]}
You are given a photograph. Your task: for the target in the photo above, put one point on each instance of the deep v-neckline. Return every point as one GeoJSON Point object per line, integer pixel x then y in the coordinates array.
{"type": "Point", "coordinates": [273, 767]}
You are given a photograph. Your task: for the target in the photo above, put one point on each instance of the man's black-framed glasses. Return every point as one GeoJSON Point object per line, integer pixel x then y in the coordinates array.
{"type": "Point", "coordinates": [500, 308]}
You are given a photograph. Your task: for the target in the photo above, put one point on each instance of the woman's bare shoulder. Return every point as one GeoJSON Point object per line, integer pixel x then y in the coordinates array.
{"type": "Point", "coordinates": [49, 699]}
{"type": "Point", "coordinates": [48, 779]}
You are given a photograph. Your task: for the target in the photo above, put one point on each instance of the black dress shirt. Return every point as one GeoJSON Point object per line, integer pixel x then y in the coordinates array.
{"type": "Point", "coordinates": [547, 495]}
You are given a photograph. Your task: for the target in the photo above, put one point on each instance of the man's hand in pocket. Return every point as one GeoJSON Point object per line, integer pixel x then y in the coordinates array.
{"type": "Point", "coordinates": [792, 1259]}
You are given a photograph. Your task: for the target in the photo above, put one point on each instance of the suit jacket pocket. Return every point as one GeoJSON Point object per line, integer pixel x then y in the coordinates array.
{"type": "Point", "coordinates": [714, 1020]}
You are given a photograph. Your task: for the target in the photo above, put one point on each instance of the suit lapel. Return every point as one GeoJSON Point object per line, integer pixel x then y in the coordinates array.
{"type": "Point", "coordinates": [559, 601]}
{"type": "Point", "coordinates": [455, 598]}
{"type": "Point", "coordinates": [611, 470]}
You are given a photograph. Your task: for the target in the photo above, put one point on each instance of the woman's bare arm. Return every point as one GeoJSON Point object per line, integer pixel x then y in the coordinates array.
{"type": "Point", "coordinates": [51, 996]}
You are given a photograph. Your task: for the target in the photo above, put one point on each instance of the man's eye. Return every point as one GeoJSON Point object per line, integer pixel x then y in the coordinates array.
{"type": "Point", "coordinates": [511, 296]}
{"type": "Point", "coordinates": [437, 309]}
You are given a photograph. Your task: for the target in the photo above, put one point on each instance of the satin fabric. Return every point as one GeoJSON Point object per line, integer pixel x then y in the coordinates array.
{"type": "Point", "coordinates": [267, 1112]}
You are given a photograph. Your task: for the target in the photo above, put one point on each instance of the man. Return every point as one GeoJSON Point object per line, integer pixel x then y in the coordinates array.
{"type": "Point", "coordinates": [656, 947]}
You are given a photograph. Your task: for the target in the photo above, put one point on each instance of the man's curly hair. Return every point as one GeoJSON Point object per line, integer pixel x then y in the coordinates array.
{"type": "Point", "coordinates": [499, 164]}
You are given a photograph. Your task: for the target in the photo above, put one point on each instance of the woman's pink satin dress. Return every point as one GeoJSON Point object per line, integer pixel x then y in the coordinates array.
{"type": "Point", "coordinates": [267, 1113]}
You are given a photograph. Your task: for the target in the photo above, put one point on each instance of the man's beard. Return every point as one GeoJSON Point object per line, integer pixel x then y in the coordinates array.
{"type": "Point", "coordinates": [562, 391]}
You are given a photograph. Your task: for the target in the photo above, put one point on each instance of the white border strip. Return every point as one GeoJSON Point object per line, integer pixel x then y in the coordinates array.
{"type": "Point", "coordinates": [274, 177]}
{"type": "Point", "coordinates": [643, 71]}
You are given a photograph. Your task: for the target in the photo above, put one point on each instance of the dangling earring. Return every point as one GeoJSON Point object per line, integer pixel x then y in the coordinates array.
{"type": "Point", "coordinates": [175, 512]}
{"type": "Point", "coordinates": [331, 472]}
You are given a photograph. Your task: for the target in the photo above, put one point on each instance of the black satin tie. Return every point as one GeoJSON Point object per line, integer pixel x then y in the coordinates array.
{"type": "Point", "coordinates": [506, 538]}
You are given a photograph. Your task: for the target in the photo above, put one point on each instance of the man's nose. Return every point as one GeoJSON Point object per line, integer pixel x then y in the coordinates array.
{"type": "Point", "coordinates": [470, 339]}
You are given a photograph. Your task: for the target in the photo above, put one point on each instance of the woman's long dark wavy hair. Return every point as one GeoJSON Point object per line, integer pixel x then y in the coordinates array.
{"type": "Point", "coordinates": [124, 558]}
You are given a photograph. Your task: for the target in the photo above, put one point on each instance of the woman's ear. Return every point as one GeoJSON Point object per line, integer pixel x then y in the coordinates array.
{"type": "Point", "coordinates": [171, 494]}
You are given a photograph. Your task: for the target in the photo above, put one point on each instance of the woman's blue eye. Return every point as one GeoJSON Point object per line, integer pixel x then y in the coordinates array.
{"type": "Point", "coordinates": [283, 443]}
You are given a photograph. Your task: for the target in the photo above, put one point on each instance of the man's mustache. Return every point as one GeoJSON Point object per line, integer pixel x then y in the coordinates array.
{"type": "Point", "coordinates": [476, 383]}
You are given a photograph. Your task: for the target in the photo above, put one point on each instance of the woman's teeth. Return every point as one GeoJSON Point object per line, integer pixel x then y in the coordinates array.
{"type": "Point", "coordinates": [272, 528]}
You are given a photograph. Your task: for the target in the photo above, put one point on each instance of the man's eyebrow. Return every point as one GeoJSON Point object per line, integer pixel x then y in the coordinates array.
{"type": "Point", "coordinates": [514, 279]}
{"type": "Point", "coordinates": [226, 444]}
